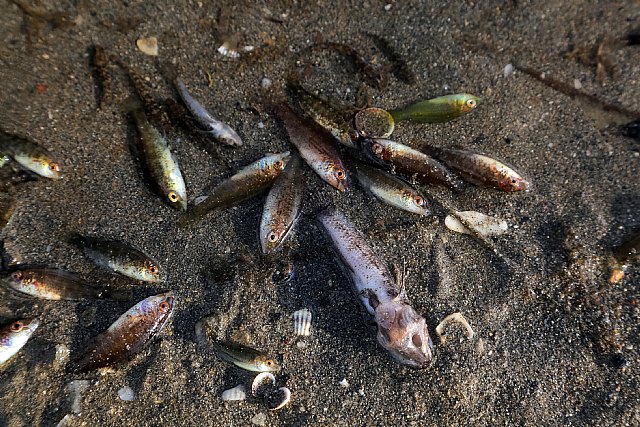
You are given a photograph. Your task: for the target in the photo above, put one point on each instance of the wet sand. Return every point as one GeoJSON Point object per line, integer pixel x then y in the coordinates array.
{"type": "Point", "coordinates": [555, 343]}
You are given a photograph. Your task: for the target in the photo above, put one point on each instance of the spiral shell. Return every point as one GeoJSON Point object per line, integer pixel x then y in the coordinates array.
{"type": "Point", "coordinates": [302, 322]}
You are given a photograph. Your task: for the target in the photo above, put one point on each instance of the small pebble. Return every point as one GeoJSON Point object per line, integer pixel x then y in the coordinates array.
{"type": "Point", "coordinates": [301, 344]}
{"type": "Point", "coordinates": [148, 45]}
{"type": "Point", "coordinates": [508, 70]}
{"type": "Point", "coordinates": [577, 84]}
{"type": "Point", "coordinates": [387, 7]}
{"type": "Point", "coordinates": [260, 125]}
{"type": "Point", "coordinates": [266, 83]}
{"type": "Point", "coordinates": [259, 419]}
{"type": "Point", "coordinates": [344, 383]}
{"type": "Point", "coordinates": [126, 394]}
{"type": "Point", "coordinates": [62, 354]}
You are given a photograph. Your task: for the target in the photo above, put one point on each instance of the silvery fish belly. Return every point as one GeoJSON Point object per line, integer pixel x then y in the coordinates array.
{"type": "Point", "coordinates": [401, 331]}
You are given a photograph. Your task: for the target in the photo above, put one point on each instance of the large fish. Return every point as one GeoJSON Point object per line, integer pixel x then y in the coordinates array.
{"type": "Point", "coordinates": [401, 331]}
{"type": "Point", "coordinates": [29, 155]}
{"type": "Point", "coordinates": [128, 335]}
{"type": "Point", "coordinates": [14, 336]}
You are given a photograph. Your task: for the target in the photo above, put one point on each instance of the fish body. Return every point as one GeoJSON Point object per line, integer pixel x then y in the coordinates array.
{"type": "Point", "coordinates": [437, 110]}
{"type": "Point", "coordinates": [401, 331]}
{"type": "Point", "coordinates": [128, 335]}
{"type": "Point", "coordinates": [29, 155]}
{"type": "Point", "coordinates": [160, 162]}
{"type": "Point", "coordinates": [219, 130]}
{"type": "Point", "coordinates": [481, 170]}
{"type": "Point", "coordinates": [121, 258]}
{"type": "Point", "coordinates": [244, 184]}
{"type": "Point", "coordinates": [392, 190]}
{"type": "Point", "coordinates": [245, 357]}
{"type": "Point", "coordinates": [53, 284]}
{"type": "Point", "coordinates": [319, 152]}
{"type": "Point", "coordinates": [14, 336]}
{"type": "Point", "coordinates": [281, 208]}
{"type": "Point", "coordinates": [411, 162]}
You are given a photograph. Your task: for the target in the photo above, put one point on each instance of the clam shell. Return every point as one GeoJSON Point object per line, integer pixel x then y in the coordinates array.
{"type": "Point", "coordinates": [259, 386]}
{"type": "Point", "coordinates": [279, 399]}
{"type": "Point", "coordinates": [236, 393]}
{"type": "Point", "coordinates": [375, 122]}
{"type": "Point", "coordinates": [148, 46]}
{"type": "Point", "coordinates": [302, 322]}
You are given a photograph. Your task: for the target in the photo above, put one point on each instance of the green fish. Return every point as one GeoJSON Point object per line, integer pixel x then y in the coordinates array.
{"type": "Point", "coordinates": [245, 357]}
{"type": "Point", "coordinates": [29, 155]}
{"type": "Point", "coordinates": [437, 110]}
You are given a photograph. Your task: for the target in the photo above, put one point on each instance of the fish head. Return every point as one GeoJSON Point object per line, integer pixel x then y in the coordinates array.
{"type": "Point", "coordinates": [337, 175]}
{"type": "Point", "coordinates": [22, 327]}
{"type": "Point", "coordinates": [177, 200]}
{"type": "Point", "coordinates": [274, 164]}
{"type": "Point", "coordinates": [272, 237]}
{"type": "Point", "coordinates": [467, 102]}
{"type": "Point", "coordinates": [404, 334]}
{"type": "Point", "coordinates": [415, 202]}
{"type": "Point", "coordinates": [147, 270]}
{"type": "Point", "coordinates": [160, 306]}
{"type": "Point", "coordinates": [509, 180]}
{"type": "Point", "coordinates": [266, 364]}
{"type": "Point", "coordinates": [41, 164]}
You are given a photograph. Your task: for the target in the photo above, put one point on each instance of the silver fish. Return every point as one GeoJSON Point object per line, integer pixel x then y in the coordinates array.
{"type": "Point", "coordinates": [221, 131]}
{"type": "Point", "coordinates": [401, 331]}
{"type": "Point", "coordinates": [14, 336]}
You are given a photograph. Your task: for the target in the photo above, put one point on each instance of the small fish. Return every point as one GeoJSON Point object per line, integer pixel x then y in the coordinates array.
{"type": "Point", "coordinates": [128, 335]}
{"type": "Point", "coordinates": [315, 148]}
{"type": "Point", "coordinates": [245, 357]}
{"type": "Point", "coordinates": [410, 162]}
{"type": "Point", "coordinates": [121, 258]}
{"type": "Point", "coordinates": [401, 331]}
{"type": "Point", "coordinates": [29, 155]}
{"type": "Point", "coordinates": [281, 207]}
{"type": "Point", "coordinates": [14, 336]}
{"type": "Point", "coordinates": [481, 170]}
{"type": "Point", "coordinates": [221, 131]}
{"type": "Point", "coordinates": [437, 110]}
{"type": "Point", "coordinates": [246, 183]}
{"type": "Point", "coordinates": [392, 190]}
{"type": "Point", "coordinates": [160, 162]}
{"type": "Point", "coordinates": [55, 285]}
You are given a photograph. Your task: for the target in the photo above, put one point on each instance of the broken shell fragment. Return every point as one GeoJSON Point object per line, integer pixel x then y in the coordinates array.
{"type": "Point", "coordinates": [236, 393]}
{"type": "Point", "coordinates": [375, 123]}
{"type": "Point", "coordinates": [259, 385]}
{"type": "Point", "coordinates": [279, 399]}
{"type": "Point", "coordinates": [482, 224]}
{"type": "Point", "coordinates": [148, 45]}
{"type": "Point", "coordinates": [455, 317]}
{"type": "Point", "coordinates": [302, 322]}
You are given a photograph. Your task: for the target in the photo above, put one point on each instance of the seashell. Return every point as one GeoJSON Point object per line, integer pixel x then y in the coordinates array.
{"type": "Point", "coordinates": [482, 224]}
{"type": "Point", "coordinates": [236, 393]}
{"type": "Point", "coordinates": [226, 49]}
{"type": "Point", "coordinates": [259, 387]}
{"type": "Point", "coordinates": [279, 399]}
{"type": "Point", "coordinates": [126, 393]}
{"type": "Point", "coordinates": [302, 322]}
{"type": "Point", "coordinates": [148, 45]}
{"type": "Point", "coordinates": [455, 317]}
{"type": "Point", "coordinates": [375, 122]}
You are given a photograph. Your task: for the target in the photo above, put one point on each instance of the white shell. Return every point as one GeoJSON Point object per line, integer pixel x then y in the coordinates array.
{"type": "Point", "coordinates": [148, 46]}
{"type": "Point", "coordinates": [236, 393]}
{"type": "Point", "coordinates": [260, 379]}
{"type": "Point", "coordinates": [302, 322]}
{"type": "Point", "coordinates": [482, 224]}
{"type": "Point", "coordinates": [454, 317]}
{"type": "Point", "coordinates": [285, 398]}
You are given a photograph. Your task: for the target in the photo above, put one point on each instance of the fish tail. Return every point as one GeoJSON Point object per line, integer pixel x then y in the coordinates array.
{"type": "Point", "coordinates": [78, 240]}
{"type": "Point", "coordinates": [116, 294]}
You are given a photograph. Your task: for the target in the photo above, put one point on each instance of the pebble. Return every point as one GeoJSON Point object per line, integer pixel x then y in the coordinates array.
{"type": "Point", "coordinates": [508, 70]}
{"type": "Point", "coordinates": [344, 383]}
{"type": "Point", "coordinates": [266, 83]}
{"type": "Point", "coordinates": [126, 393]}
{"type": "Point", "coordinates": [259, 419]}
{"type": "Point", "coordinates": [148, 45]}
{"type": "Point", "coordinates": [577, 84]}
{"type": "Point", "coordinates": [387, 7]}
{"type": "Point", "coordinates": [62, 355]}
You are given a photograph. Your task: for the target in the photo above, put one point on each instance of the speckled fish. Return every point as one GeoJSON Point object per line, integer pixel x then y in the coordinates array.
{"type": "Point", "coordinates": [160, 162]}
{"type": "Point", "coordinates": [401, 331]}
{"type": "Point", "coordinates": [53, 284]}
{"type": "Point", "coordinates": [245, 357]}
{"type": "Point", "coordinates": [14, 336]}
{"type": "Point", "coordinates": [392, 190]}
{"type": "Point", "coordinates": [128, 335]}
{"type": "Point", "coordinates": [437, 110]}
{"type": "Point", "coordinates": [29, 155]}
{"type": "Point", "coordinates": [220, 131]}
{"type": "Point", "coordinates": [316, 149]}
{"type": "Point", "coordinates": [281, 207]}
{"type": "Point", "coordinates": [408, 161]}
{"type": "Point", "coordinates": [481, 170]}
{"type": "Point", "coordinates": [248, 182]}
{"type": "Point", "coordinates": [121, 258]}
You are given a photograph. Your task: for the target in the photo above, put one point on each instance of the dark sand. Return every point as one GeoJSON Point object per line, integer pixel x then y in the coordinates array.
{"type": "Point", "coordinates": [555, 343]}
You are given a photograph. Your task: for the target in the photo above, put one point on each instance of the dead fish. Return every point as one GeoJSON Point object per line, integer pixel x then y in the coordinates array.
{"type": "Point", "coordinates": [53, 284]}
{"type": "Point", "coordinates": [316, 149]}
{"type": "Point", "coordinates": [401, 331]}
{"type": "Point", "coordinates": [121, 258]}
{"type": "Point", "coordinates": [481, 170]}
{"type": "Point", "coordinates": [392, 190]}
{"type": "Point", "coordinates": [128, 335]}
{"type": "Point", "coordinates": [245, 357]}
{"type": "Point", "coordinates": [281, 207]}
{"type": "Point", "coordinates": [221, 131]}
{"type": "Point", "coordinates": [437, 110]}
{"type": "Point", "coordinates": [29, 155]}
{"type": "Point", "coordinates": [418, 165]}
{"type": "Point", "coordinates": [14, 336]}
{"type": "Point", "coordinates": [160, 162]}
{"type": "Point", "coordinates": [246, 183]}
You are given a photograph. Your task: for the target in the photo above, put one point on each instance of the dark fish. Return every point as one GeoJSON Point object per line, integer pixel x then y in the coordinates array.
{"type": "Point", "coordinates": [281, 207]}
{"type": "Point", "coordinates": [245, 357]}
{"type": "Point", "coordinates": [408, 161]}
{"type": "Point", "coordinates": [121, 258]}
{"type": "Point", "coordinates": [221, 131]}
{"type": "Point", "coordinates": [29, 155]}
{"type": "Point", "coordinates": [316, 149]}
{"type": "Point", "coordinates": [55, 285]}
{"type": "Point", "coordinates": [401, 331]}
{"type": "Point", "coordinates": [437, 110]}
{"type": "Point", "coordinates": [14, 336]}
{"type": "Point", "coordinates": [481, 170]}
{"type": "Point", "coordinates": [246, 183]}
{"type": "Point", "coordinates": [128, 335]}
{"type": "Point", "coordinates": [100, 65]}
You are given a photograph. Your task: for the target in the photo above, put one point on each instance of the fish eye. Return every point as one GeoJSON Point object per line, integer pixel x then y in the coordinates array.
{"type": "Point", "coordinates": [340, 174]}
{"type": "Point", "coordinates": [163, 307]}
{"type": "Point", "coordinates": [152, 268]}
{"type": "Point", "coordinates": [416, 340]}
{"type": "Point", "coordinates": [173, 196]}
{"type": "Point", "coordinates": [513, 181]}
{"type": "Point", "coordinates": [279, 164]}
{"type": "Point", "coordinates": [17, 275]}
{"type": "Point", "coordinates": [419, 201]}
{"type": "Point", "coordinates": [272, 237]}
{"type": "Point", "coordinates": [54, 167]}
{"type": "Point", "coordinates": [269, 363]}
{"type": "Point", "coordinates": [471, 103]}
{"type": "Point", "coordinates": [17, 326]}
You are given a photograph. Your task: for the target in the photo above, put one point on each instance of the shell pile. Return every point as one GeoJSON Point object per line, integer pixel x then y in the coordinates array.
{"type": "Point", "coordinates": [302, 322]}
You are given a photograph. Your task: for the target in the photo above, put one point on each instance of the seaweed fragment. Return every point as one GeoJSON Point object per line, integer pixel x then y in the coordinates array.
{"type": "Point", "coordinates": [101, 74]}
